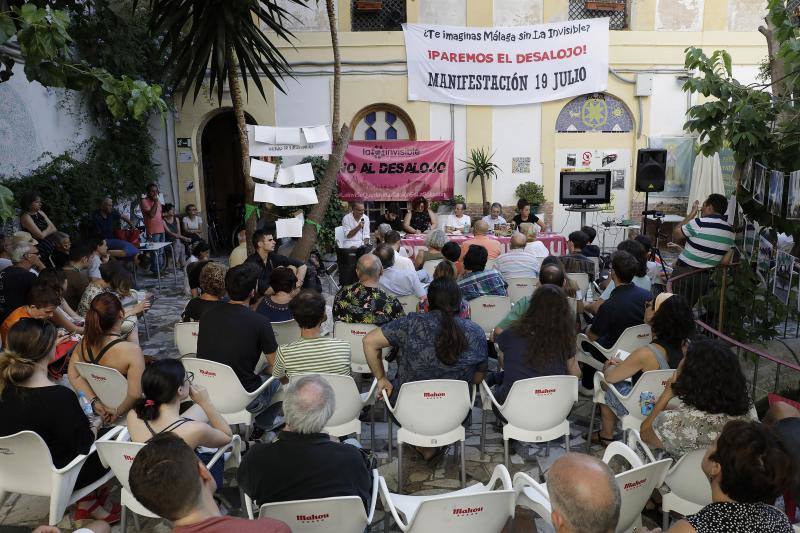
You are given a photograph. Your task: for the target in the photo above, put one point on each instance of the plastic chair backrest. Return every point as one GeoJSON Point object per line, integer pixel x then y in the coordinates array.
{"type": "Point", "coordinates": [430, 265]}
{"type": "Point", "coordinates": [634, 338]}
{"type": "Point", "coordinates": [432, 407]}
{"type": "Point", "coordinates": [573, 304]}
{"type": "Point", "coordinates": [343, 514]}
{"type": "Point", "coordinates": [109, 385]}
{"type": "Point", "coordinates": [636, 486]}
{"type": "Point", "coordinates": [596, 261]}
{"type": "Point", "coordinates": [186, 337]}
{"type": "Point", "coordinates": [687, 481]}
{"type": "Point", "coordinates": [286, 332]}
{"type": "Point", "coordinates": [488, 311]}
{"type": "Point", "coordinates": [26, 465]}
{"type": "Point", "coordinates": [119, 457]}
{"type": "Point", "coordinates": [538, 404]}
{"type": "Point", "coordinates": [479, 512]}
{"type": "Point", "coordinates": [354, 334]}
{"type": "Point", "coordinates": [347, 398]}
{"type": "Point", "coordinates": [409, 303]}
{"type": "Point", "coordinates": [489, 264]}
{"type": "Point", "coordinates": [338, 233]}
{"type": "Point", "coordinates": [581, 279]}
{"type": "Point", "coordinates": [651, 381]}
{"type": "Point", "coordinates": [224, 388]}
{"type": "Point", "coordinates": [519, 288]}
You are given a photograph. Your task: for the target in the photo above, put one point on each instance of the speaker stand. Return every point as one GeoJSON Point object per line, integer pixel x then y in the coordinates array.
{"type": "Point", "coordinates": [655, 252]}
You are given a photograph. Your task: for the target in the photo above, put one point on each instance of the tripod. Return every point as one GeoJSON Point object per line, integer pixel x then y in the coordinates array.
{"type": "Point", "coordinates": [655, 251]}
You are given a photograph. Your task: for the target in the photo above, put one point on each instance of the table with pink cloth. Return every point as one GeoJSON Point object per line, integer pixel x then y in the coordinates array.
{"type": "Point", "coordinates": [411, 244]}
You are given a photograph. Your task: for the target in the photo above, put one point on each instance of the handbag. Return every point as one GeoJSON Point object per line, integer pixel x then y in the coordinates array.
{"type": "Point", "coordinates": [132, 235]}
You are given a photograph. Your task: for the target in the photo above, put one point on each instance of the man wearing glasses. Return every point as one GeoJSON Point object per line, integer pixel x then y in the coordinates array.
{"type": "Point", "coordinates": [16, 280]}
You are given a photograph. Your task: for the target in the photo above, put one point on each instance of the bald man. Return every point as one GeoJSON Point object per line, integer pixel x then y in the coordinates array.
{"type": "Point", "coordinates": [517, 263]}
{"type": "Point", "coordinates": [364, 302]}
{"type": "Point", "coordinates": [584, 495]}
{"type": "Point", "coordinates": [356, 226]}
{"type": "Point", "coordinates": [481, 238]}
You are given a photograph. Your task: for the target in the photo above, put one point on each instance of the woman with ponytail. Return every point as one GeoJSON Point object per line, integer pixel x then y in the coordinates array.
{"type": "Point", "coordinates": [165, 385]}
{"type": "Point", "coordinates": [433, 345]}
{"type": "Point", "coordinates": [104, 344]}
{"type": "Point", "coordinates": [29, 401]}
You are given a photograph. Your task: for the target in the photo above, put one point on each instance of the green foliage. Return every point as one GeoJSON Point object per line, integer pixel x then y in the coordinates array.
{"type": "Point", "coordinates": [479, 164]}
{"type": "Point", "coordinates": [333, 216]}
{"type": "Point", "coordinates": [533, 192]}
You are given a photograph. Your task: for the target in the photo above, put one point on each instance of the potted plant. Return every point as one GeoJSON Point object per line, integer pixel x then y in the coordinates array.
{"type": "Point", "coordinates": [479, 165]}
{"type": "Point", "coordinates": [533, 192]}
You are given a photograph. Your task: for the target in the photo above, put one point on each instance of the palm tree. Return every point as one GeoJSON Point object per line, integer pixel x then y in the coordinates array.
{"type": "Point", "coordinates": [480, 165]}
{"type": "Point", "coordinates": [224, 38]}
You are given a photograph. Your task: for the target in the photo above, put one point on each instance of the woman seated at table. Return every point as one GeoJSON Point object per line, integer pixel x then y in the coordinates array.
{"type": "Point", "coordinates": [458, 221]}
{"type": "Point", "coordinates": [104, 344]}
{"type": "Point", "coordinates": [435, 241]}
{"type": "Point", "coordinates": [524, 214]}
{"type": "Point", "coordinates": [275, 306]}
{"type": "Point", "coordinates": [420, 218]}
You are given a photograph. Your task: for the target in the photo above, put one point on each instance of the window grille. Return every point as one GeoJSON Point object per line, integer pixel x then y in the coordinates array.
{"type": "Point", "coordinates": [391, 15]}
{"type": "Point", "coordinates": [578, 11]}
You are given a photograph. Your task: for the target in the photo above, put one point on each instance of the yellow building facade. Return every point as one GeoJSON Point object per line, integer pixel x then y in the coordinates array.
{"type": "Point", "coordinates": [646, 75]}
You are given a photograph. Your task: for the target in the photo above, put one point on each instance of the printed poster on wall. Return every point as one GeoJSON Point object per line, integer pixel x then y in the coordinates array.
{"type": "Point", "coordinates": [397, 170]}
{"type": "Point", "coordinates": [506, 65]}
{"type": "Point", "coordinates": [680, 162]}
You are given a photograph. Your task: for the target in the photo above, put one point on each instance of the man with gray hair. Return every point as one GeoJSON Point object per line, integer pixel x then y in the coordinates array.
{"type": "Point", "coordinates": [517, 263]}
{"type": "Point", "coordinates": [584, 495]}
{"type": "Point", "coordinates": [495, 216]}
{"type": "Point", "coordinates": [364, 302]}
{"type": "Point", "coordinates": [16, 280]}
{"type": "Point", "coordinates": [304, 463]}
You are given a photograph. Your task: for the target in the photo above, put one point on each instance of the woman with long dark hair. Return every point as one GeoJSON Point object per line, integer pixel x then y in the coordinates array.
{"type": "Point", "coordinates": [540, 343]}
{"type": "Point", "coordinates": [104, 344]}
{"type": "Point", "coordinates": [419, 218]}
{"type": "Point", "coordinates": [165, 385]}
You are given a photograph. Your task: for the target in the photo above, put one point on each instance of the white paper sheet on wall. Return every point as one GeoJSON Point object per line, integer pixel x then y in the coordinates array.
{"type": "Point", "coordinates": [295, 174]}
{"type": "Point", "coordinates": [265, 134]}
{"type": "Point", "coordinates": [289, 136]}
{"type": "Point", "coordinates": [289, 227]}
{"type": "Point", "coordinates": [262, 170]}
{"type": "Point", "coordinates": [316, 134]}
{"type": "Point", "coordinates": [257, 148]}
{"type": "Point", "coordinates": [285, 196]}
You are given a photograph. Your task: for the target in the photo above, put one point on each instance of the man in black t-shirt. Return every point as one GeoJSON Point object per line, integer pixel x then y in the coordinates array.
{"type": "Point", "coordinates": [391, 217]}
{"type": "Point", "coordinates": [267, 260]}
{"type": "Point", "coordinates": [234, 335]}
{"type": "Point", "coordinates": [16, 280]}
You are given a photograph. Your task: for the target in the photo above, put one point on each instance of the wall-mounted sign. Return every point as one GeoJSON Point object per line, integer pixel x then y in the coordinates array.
{"type": "Point", "coordinates": [184, 142]}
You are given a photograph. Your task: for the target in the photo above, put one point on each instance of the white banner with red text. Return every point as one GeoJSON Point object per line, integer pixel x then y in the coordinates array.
{"type": "Point", "coordinates": [506, 66]}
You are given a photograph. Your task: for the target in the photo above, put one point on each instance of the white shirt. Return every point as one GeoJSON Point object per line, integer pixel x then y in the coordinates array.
{"type": "Point", "coordinates": [403, 263]}
{"type": "Point", "coordinates": [494, 221]}
{"type": "Point", "coordinates": [463, 223]}
{"type": "Point", "coordinates": [401, 282]}
{"type": "Point", "coordinates": [349, 223]}
{"type": "Point", "coordinates": [539, 250]}
{"type": "Point", "coordinates": [517, 263]}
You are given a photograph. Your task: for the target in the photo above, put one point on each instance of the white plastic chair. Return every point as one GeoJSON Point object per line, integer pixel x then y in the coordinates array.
{"type": "Point", "coordinates": [342, 514]}
{"type": "Point", "coordinates": [186, 337]}
{"type": "Point", "coordinates": [488, 311]}
{"type": "Point", "coordinates": [478, 508]}
{"type": "Point", "coordinates": [26, 467]}
{"type": "Point", "coordinates": [581, 279]}
{"type": "Point", "coordinates": [108, 383]}
{"type": "Point", "coordinates": [409, 302]}
{"type": "Point", "coordinates": [338, 234]}
{"type": "Point", "coordinates": [224, 388]}
{"type": "Point", "coordinates": [629, 341]}
{"type": "Point", "coordinates": [596, 261]}
{"type": "Point", "coordinates": [686, 489]}
{"type": "Point", "coordinates": [536, 410]}
{"type": "Point", "coordinates": [354, 334]}
{"type": "Point", "coordinates": [651, 381]}
{"type": "Point", "coordinates": [430, 265]}
{"type": "Point", "coordinates": [286, 332]}
{"type": "Point", "coordinates": [430, 414]}
{"type": "Point", "coordinates": [518, 288]}
{"type": "Point", "coordinates": [119, 455]}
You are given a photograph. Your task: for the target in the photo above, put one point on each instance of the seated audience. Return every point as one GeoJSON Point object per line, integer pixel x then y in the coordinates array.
{"type": "Point", "coordinates": [192, 224]}
{"type": "Point", "coordinates": [33, 220]}
{"type": "Point", "coordinates": [533, 246]}
{"type": "Point", "coordinates": [656, 270]}
{"type": "Point", "coordinates": [524, 215]}
{"type": "Point", "coordinates": [312, 353]}
{"type": "Point", "coordinates": [673, 325]}
{"type": "Point", "coordinates": [99, 257]}
{"type": "Point", "coordinates": [104, 221]}
{"type": "Point", "coordinates": [365, 302]}
{"type": "Point", "coordinates": [458, 221]}
{"type": "Point", "coordinates": [133, 302]}
{"type": "Point", "coordinates": [446, 269]}
{"type": "Point", "coordinates": [212, 287]}
{"type": "Point", "coordinates": [401, 262]}
{"type": "Point", "coordinates": [191, 281]}
{"type": "Point", "coordinates": [235, 335]}
{"type": "Point", "coordinates": [625, 308]}
{"type": "Point", "coordinates": [391, 217]}
{"type": "Point", "coordinates": [517, 263]}
{"type": "Point", "coordinates": [434, 242]}
{"type": "Point", "coordinates": [420, 218]}
{"type": "Point", "coordinates": [748, 468]}
{"type": "Point", "coordinates": [482, 239]}
{"type": "Point", "coordinates": [266, 259]}
{"type": "Point", "coordinates": [61, 246]}
{"type": "Point", "coordinates": [104, 344]}
{"type": "Point", "coordinates": [172, 228]}
{"type": "Point", "coordinates": [381, 233]}
{"type": "Point", "coordinates": [477, 282]}
{"type": "Point", "coordinates": [590, 250]}
{"type": "Point", "coordinates": [307, 462]}
{"type": "Point", "coordinates": [5, 256]}
{"type": "Point", "coordinates": [575, 261]}
{"type": "Point", "coordinates": [356, 226]}
{"type": "Point", "coordinates": [584, 495]}
{"type": "Point", "coordinates": [76, 271]}
{"type": "Point", "coordinates": [171, 481]}
{"type": "Point", "coordinates": [452, 252]}
{"type": "Point", "coordinates": [540, 343]}
{"type": "Point", "coordinates": [494, 217]}
{"type": "Point", "coordinates": [640, 279]}
{"type": "Point", "coordinates": [31, 402]}
{"type": "Point", "coordinates": [713, 390]}
{"type": "Point", "coordinates": [41, 303]}
{"type": "Point", "coordinates": [165, 384]}
{"type": "Point", "coordinates": [395, 280]}
{"type": "Point", "coordinates": [239, 254]}
{"type": "Point", "coordinates": [784, 419]}
{"type": "Point", "coordinates": [64, 316]}
{"type": "Point", "coordinates": [17, 280]}
{"type": "Point", "coordinates": [107, 273]}
{"type": "Point", "coordinates": [275, 304]}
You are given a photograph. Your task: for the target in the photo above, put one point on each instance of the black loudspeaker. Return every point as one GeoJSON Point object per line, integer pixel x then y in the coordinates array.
{"type": "Point", "coordinates": [651, 170]}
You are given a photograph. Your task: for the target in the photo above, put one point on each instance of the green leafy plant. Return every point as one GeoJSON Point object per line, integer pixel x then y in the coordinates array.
{"type": "Point", "coordinates": [479, 165]}
{"type": "Point", "coordinates": [533, 192]}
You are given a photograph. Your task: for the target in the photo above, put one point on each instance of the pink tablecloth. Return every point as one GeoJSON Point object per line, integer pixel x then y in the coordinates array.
{"type": "Point", "coordinates": [557, 244]}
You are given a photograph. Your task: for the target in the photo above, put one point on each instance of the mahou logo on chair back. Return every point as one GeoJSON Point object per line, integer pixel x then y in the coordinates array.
{"type": "Point", "coordinates": [467, 511]}
{"type": "Point", "coordinates": [359, 332]}
{"type": "Point", "coordinates": [633, 485]}
{"type": "Point", "coordinates": [208, 373]}
{"type": "Point", "coordinates": [434, 395]}
{"type": "Point", "coordinates": [98, 378]}
{"type": "Point", "coordinates": [307, 518]}
{"type": "Point", "coordinates": [544, 392]}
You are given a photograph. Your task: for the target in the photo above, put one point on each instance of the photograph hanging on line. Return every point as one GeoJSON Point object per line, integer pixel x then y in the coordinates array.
{"type": "Point", "coordinates": [747, 175]}
{"type": "Point", "coordinates": [764, 257]}
{"type": "Point", "coordinates": [739, 225]}
{"type": "Point", "coordinates": [749, 238]}
{"type": "Point", "coordinates": [775, 199]}
{"type": "Point", "coordinates": [793, 201]}
{"type": "Point", "coordinates": [784, 267]}
{"type": "Point", "coordinates": [759, 184]}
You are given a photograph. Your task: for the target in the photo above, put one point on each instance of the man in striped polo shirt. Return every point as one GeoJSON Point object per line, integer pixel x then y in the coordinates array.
{"type": "Point", "coordinates": [312, 354]}
{"type": "Point", "coordinates": [708, 241]}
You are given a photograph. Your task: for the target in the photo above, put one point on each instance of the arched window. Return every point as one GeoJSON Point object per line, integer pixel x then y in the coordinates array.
{"type": "Point", "coordinates": [596, 113]}
{"type": "Point", "coordinates": [383, 122]}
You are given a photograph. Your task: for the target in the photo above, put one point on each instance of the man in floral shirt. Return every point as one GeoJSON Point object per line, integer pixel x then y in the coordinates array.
{"type": "Point", "coordinates": [363, 302]}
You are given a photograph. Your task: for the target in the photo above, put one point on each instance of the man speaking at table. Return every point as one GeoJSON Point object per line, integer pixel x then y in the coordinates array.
{"type": "Point", "coordinates": [356, 226]}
